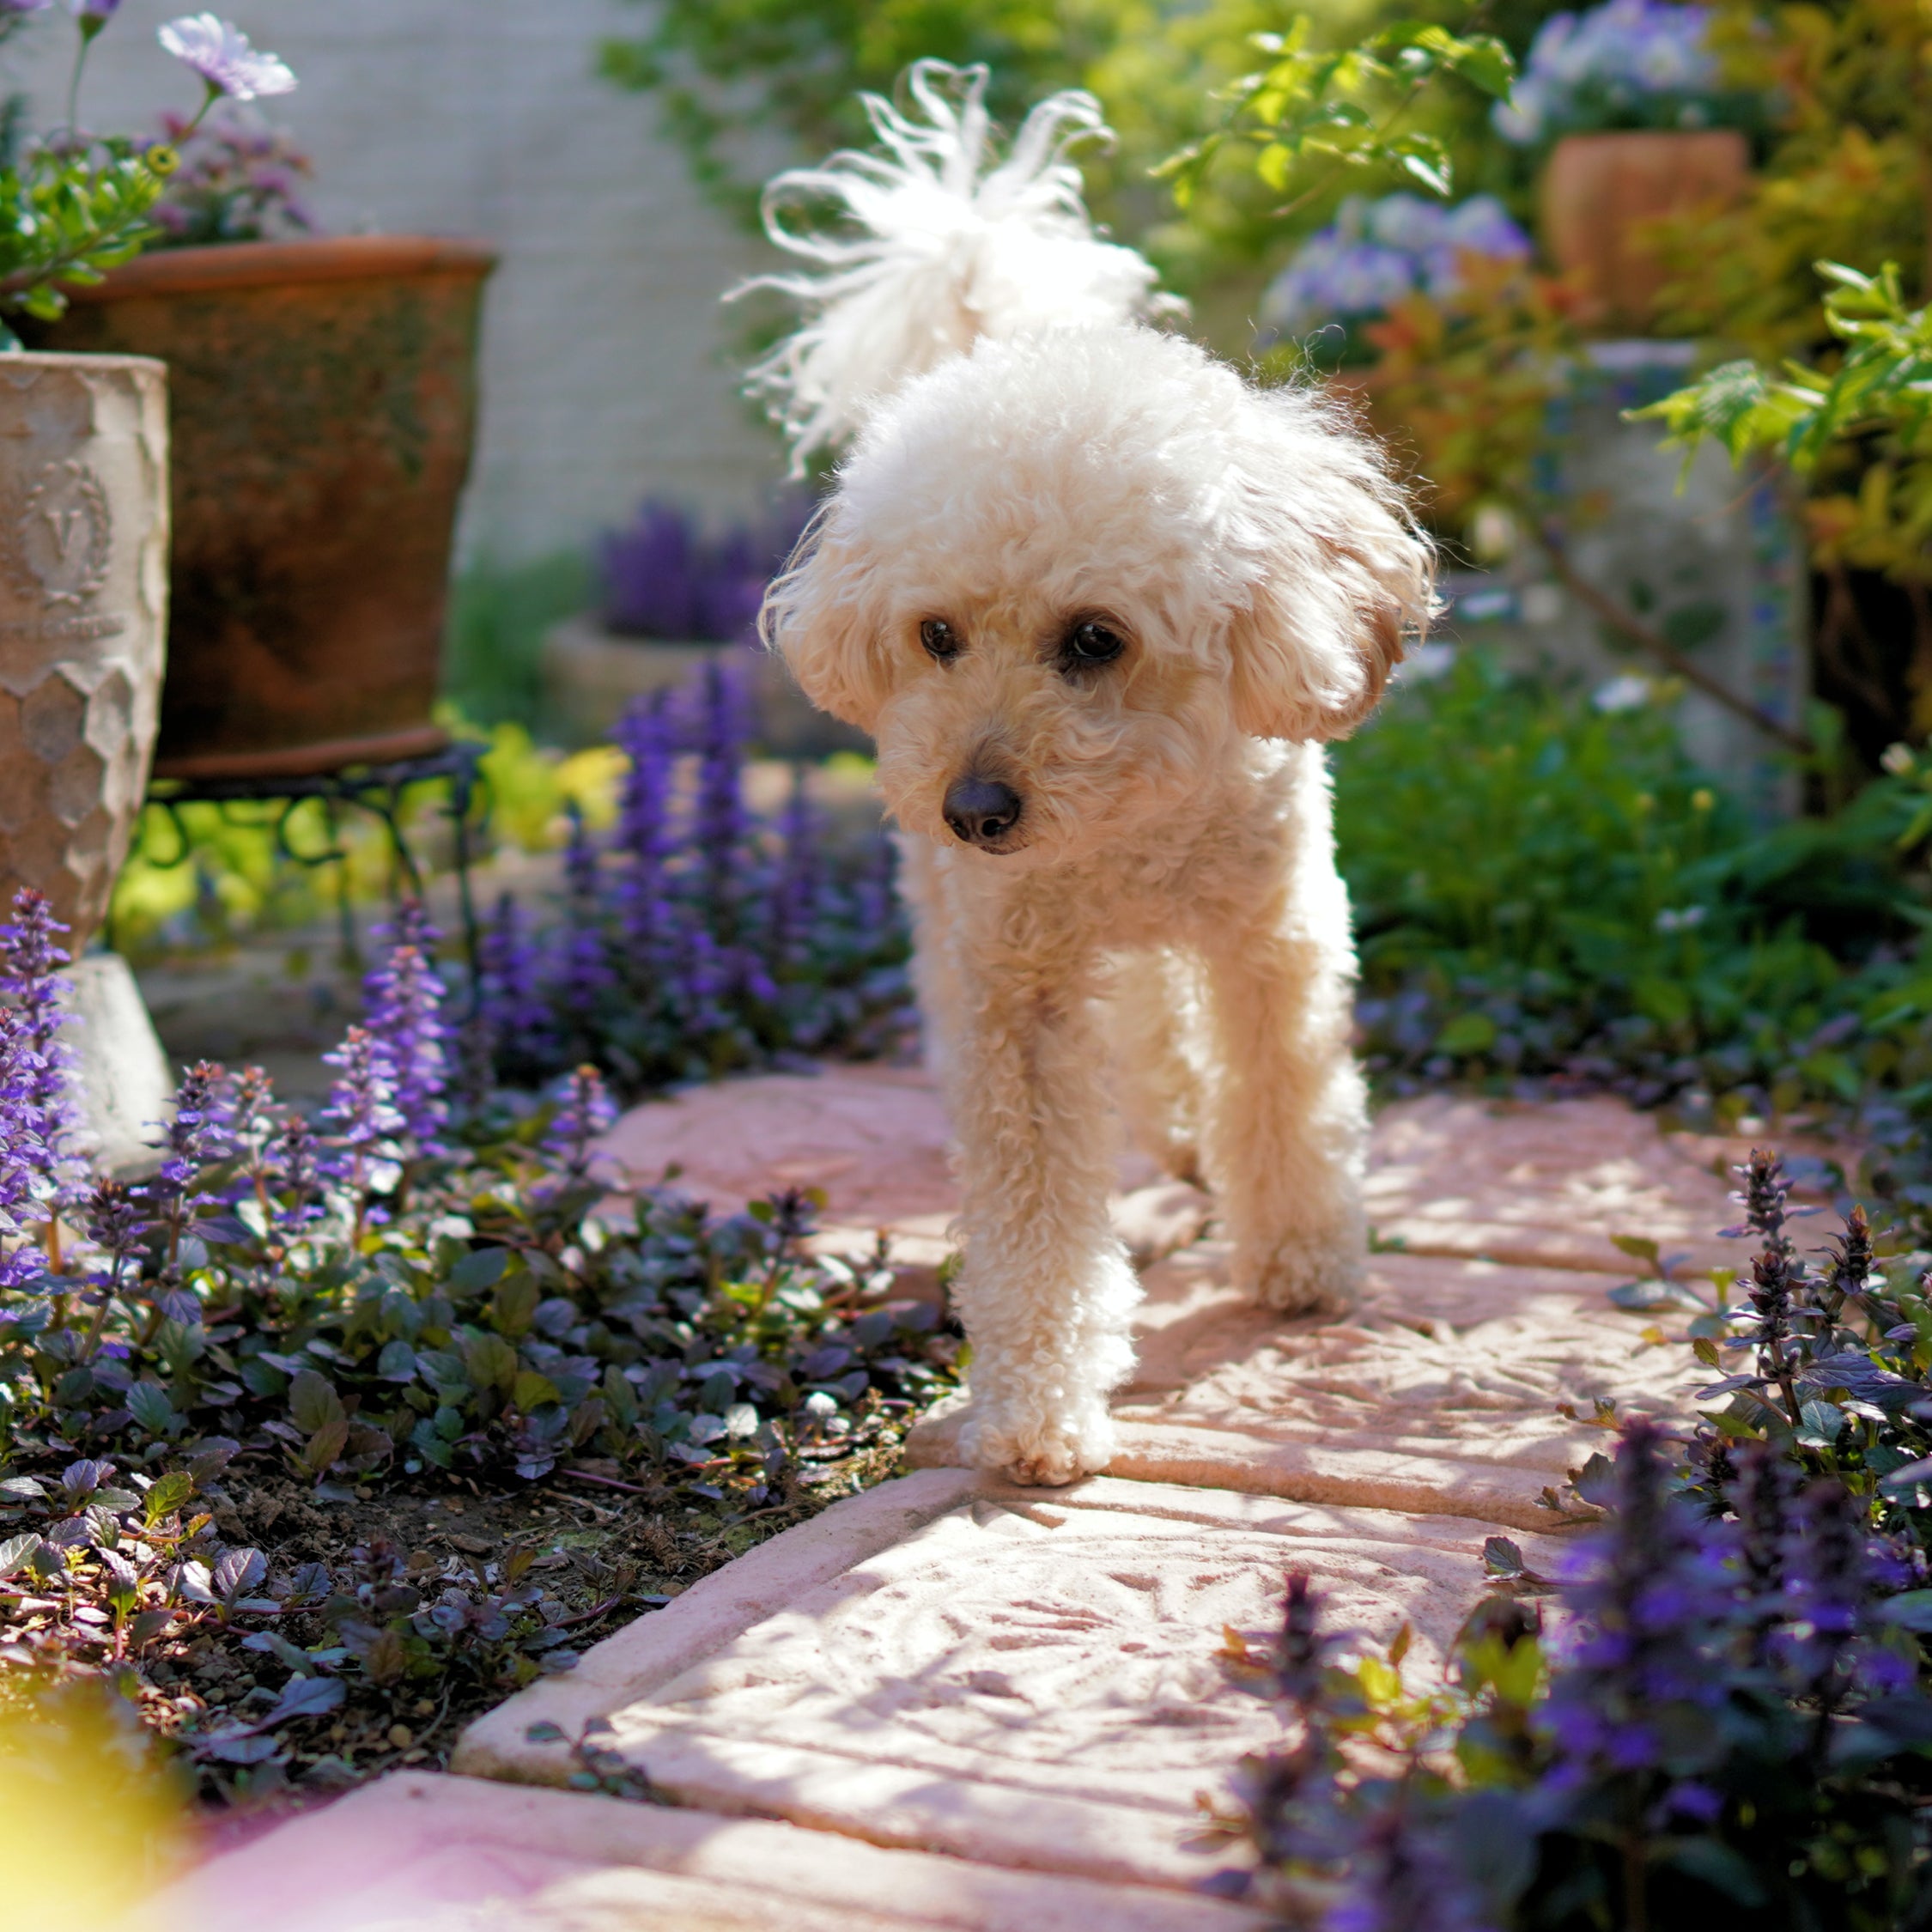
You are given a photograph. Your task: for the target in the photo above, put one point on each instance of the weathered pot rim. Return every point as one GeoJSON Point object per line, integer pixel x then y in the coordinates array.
{"type": "Point", "coordinates": [253, 264]}
{"type": "Point", "coordinates": [1627, 136]}
{"type": "Point", "coordinates": [78, 358]}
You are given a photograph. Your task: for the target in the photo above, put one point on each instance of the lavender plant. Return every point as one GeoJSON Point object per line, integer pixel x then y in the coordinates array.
{"type": "Point", "coordinates": [407, 1295]}
{"type": "Point", "coordinates": [240, 179]}
{"type": "Point", "coordinates": [1718, 1711]}
{"type": "Point", "coordinates": [698, 937]}
{"type": "Point", "coordinates": [1628, 63]}
{"type": "Point", "coordinates": [662, 577]}
{"type": "Point", "coordinates": [1373, 255]}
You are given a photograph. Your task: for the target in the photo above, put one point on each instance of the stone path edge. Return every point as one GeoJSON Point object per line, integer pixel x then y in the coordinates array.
{"type": "Point", "coordinates": [654, 1648]}
{"type": "Point", "coordinates": [513, 1840]}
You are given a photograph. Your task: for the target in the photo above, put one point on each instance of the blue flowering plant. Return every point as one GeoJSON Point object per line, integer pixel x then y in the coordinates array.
{"type": "Point", "coordinates": [697, 935]}
{"type": "Point", "coordinates": [1715, 1710]}
{"type": "Point", "coordinates": [409, 1294]}
{"type": "Point", "coordinates": [1626, 65]}
{"type": "Point", "coordinates": [663, 576]}
{"type": "Point", "coordinates": [1374, 255]}
{"type": "Point", "coordinates": [73, 204]}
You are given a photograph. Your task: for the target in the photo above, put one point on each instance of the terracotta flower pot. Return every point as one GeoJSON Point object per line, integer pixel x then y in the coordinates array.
{"type": "Point", "coordinates": [1600, 189]}
{"type": "Point", "coordinates": [83, 618]}
{"type": "Point", "coordinates": [324, 405]}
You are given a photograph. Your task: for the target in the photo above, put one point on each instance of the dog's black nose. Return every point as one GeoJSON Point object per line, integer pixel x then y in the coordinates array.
{"type": "Point", "coordinates": [982, 810]}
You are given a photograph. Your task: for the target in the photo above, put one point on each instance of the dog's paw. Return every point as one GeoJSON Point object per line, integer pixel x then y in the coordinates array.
{"type": "Point", "coordinates": [1307, 1276]}
{"type": "Point", "coordinates": [1036, 1455]}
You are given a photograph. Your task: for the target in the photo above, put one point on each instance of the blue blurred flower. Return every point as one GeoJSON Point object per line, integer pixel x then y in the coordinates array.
{"type": "Point", "coordinates": [1630, 63]}
{"type": "Point", "coordinates": [1377, 253]}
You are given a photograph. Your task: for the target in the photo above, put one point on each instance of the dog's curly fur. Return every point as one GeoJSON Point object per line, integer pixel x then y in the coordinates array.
{"type": "Point", "coordinates": [1172, 867]}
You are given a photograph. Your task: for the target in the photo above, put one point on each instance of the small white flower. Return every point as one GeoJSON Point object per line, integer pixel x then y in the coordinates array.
{"type": "Point", "coordinates": [1898, 759]}
{"type": "Point", "coordinates": [1627, 693]}
{"type": "Point", "coordinates": [219, 51]}
{"type": "Point", "coordinates": [1683, 919]}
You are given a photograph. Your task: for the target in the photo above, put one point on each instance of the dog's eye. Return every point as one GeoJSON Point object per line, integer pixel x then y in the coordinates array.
{"type": "Point", "coordinates": [941, 639]}
{"type": "Point", "coordinates": [1090, 642]}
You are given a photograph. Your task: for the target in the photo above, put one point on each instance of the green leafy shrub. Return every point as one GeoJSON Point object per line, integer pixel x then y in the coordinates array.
{"type": "Point", "coordinates": [1550, 892]}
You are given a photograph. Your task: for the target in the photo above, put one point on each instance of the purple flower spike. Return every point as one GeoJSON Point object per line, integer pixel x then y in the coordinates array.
{"type": "Point", "coordinates": [513, 1009]}
{"type": "Point", "coordinates": [403, 997]}
{"type": "Point", "coordinates": [30, 977]}
{"type": "Point", "coordinates": [584, 1112]}
{"type": "Point", "coordinates": [363, 1117]}
{"type": "Point", "coordinates": [220, 52]}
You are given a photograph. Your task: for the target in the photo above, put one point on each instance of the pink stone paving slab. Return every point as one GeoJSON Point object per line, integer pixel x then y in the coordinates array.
{"type": "Point", "coordinates": [1544, 1185]}
{"type": "Point", "coordinates": [875, 1140]}
{"type": "Point", "coordinates": [1537, 1186]}
{"type": "Point", "coordinates": [469, 1855]}
{"type": "Point", "coordinates": [1439, 1395]}
{"type": "Point", "coordinates": [1028, 1678]}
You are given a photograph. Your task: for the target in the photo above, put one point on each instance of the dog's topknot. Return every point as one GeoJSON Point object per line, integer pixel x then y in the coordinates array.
{"type": "Point", "coordinates": [938, 249]}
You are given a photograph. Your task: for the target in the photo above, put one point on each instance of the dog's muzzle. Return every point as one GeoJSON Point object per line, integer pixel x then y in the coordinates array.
{"type": "Point", "coordinates": [981, 810]}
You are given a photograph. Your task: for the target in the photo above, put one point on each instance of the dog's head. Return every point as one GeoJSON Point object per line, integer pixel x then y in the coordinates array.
{"type": "Point", "coordinates": [1060, 578]}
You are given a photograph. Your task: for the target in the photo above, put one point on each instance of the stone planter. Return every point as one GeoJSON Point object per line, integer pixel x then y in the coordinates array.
{"type": "Point", "coordinates": [1600, 189]}
{"type": "Point", "coordinates": [323, 403]}
{"type": "Point", "coordinates": [592, 676]}
{"type": "Point", "coordinates": [83, 617]}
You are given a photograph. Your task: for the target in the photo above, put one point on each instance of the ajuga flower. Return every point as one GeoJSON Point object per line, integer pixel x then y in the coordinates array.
{"type": "Point", "coordinates": [584, 1111]}
{"type": "Point", "coordinates": [511, 1002]}
{"type": "Point", "coordinates": [644, 735]}
{"type": "Point", "coordinates": [1403, 1878]}
{"type": "Point", "coordinates": [1763, 1197]}
{"type": "Point", "coordinates": [1830, 1577]}
{"type": "Point", "coordinates": [31, 979]}
{"type": "Point", "coordinates": [1651, 1597]}
{"type": "Point", "coordinates": [363, 1119]}
{"type": "Point", "coordinates": [403, 999]}
{"type": "Point", "coordinates": [1762, 1495]}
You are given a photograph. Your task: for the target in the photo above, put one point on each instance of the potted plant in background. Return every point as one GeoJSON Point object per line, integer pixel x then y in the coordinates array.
{"type": "Point", "coordinates": [324, 395]}
{"type": "Point", "coordinates": [1630, 99]}
{"type": "Point", "coordinates": [672, 599]}
{"type": "Point", "coordinates": [1373, 256]}
{"type": "Point", "coordinates": [84, 496]}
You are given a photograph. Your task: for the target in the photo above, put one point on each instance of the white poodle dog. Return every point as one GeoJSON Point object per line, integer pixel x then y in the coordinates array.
{"type": "Point", "coordinates": [1100, 602]}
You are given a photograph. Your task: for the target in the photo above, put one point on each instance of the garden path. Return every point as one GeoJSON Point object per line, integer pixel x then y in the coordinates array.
{"type": "Point", "coordinates": [950, 1702]}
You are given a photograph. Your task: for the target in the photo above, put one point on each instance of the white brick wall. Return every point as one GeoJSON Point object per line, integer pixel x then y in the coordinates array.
{"type": "Point", "coordinates": [605, 361]}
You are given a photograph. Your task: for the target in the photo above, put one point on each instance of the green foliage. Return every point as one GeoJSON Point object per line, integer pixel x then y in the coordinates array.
{"type": "Point", "coordinates": [1546, 891]}
{"type": "Point", "coordinates": [1346, 106]}
{"type": "Point", "coordinates": [498, 614]}
{"type": "Point", "coordinates": [204, 877]}
{"type": "Point", "coordinates": [497, 1319]}
{"type": "Point", "coordinates": [69, 213]}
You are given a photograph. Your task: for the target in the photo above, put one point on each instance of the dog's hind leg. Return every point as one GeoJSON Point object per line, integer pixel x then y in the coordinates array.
{"type": "Point", "coordinates": [1288, 1131]}
{"type": "Point", "coordinates": [1046, 1288]}
{"type": "Point", "coordinates": [1156, 1021]}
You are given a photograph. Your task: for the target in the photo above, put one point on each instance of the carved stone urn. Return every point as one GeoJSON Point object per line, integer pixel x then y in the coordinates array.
{"type": "Point", "coordinates": [83, 619]}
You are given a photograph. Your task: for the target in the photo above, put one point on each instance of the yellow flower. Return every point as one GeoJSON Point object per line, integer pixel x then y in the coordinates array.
{"type": "Point", "coordinates": [161, 159]}
{"type": "Point", "coordinates": [1703, 799]}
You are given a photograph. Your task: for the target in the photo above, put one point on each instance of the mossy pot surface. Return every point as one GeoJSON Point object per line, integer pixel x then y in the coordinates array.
{"type": "Point", "coordinates": [323, 405]}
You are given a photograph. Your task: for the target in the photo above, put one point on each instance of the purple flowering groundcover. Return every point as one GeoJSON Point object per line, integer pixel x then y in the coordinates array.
{"type": "Point", "coordinates": [1717, 1712]}
{"type": "Point", "coordinates": [336, 1427]}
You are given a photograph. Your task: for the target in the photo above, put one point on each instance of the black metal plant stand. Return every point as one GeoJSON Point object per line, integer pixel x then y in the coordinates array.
{"type": "Point", "coordinates": [378, 789]}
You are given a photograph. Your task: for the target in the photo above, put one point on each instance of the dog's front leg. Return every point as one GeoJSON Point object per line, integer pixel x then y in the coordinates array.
{"type": "Point", "coordinates": [1046, 1289]}
{"type": "Point", "coordinates": [1289, 1126]}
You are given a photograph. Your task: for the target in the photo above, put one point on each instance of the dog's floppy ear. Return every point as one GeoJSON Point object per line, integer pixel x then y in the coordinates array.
{"type": "Point", "coordinates": [815, 615]}
{"type": "Point", "coordinates": [1337, 572]}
